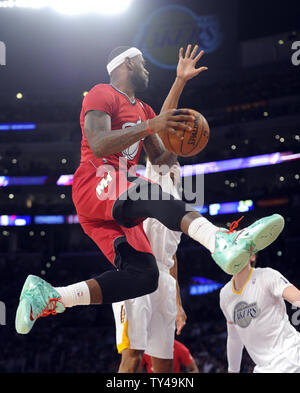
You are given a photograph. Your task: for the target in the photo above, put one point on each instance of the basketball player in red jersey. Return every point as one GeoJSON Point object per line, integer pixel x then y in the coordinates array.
{"type": "Point", "coordinates": [115, 127]}
{"type": "Point", "coordinates": [181, 358]}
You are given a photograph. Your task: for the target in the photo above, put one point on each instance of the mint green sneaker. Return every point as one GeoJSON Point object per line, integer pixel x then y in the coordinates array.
{"type": "Point", "coordinates": [37, 299]}
{"type": "Point", "coordinates": [234, 248]}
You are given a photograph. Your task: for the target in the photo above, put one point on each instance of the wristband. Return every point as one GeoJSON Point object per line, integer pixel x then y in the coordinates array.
{"type": "Point", "coordinates": [148, 127]}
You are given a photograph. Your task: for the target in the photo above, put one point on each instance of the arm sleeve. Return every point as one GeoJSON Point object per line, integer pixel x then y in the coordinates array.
{"type": "Point", "coordinates": [234, 349]}
{"type": "Point", "coordinates": [223, 303]}
{"type": "Point", "coordinates": [275, 282]}
{"type": "Point", "coordinates": [234, 343]}
{"type": "Point", "coordinates": [100, 98]}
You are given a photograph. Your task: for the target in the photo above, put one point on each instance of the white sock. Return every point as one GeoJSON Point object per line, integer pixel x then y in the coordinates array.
{"type": "Point", "coordinates": [75, 295]}
{"type": "Point", "coordinates": [203, 232]}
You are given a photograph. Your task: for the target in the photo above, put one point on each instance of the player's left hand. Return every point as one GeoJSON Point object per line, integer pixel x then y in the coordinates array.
{"type": "Point", "coordinates": [180, 319]}
{"type": "Point", "coordinates": [186, 68]}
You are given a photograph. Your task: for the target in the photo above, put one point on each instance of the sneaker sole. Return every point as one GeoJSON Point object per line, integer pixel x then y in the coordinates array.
{"type": "Point", "coordinates": [268, 233]}
{"type": "Point", "coordinates": [23, 311]}
{"type": "Point", "coordinates": [26, 285]}
{"type": "Point", "coordinates": [237, 264]}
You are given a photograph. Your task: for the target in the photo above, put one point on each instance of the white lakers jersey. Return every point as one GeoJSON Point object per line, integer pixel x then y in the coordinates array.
{"type": "Point", "coordinates": [258, 312]}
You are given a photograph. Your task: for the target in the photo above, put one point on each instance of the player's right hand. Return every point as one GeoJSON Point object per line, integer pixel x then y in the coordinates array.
{"type": "Point", "coordinates": [180, 319]}
{"type": "Point", "coordinates": [172, 121]}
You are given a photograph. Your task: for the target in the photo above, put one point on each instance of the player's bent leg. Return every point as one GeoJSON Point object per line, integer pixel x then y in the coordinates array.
{"type": "Point", "coordinates": [162, 365]}
{"type": "Point", "coordinates": [95, 290]}
{"type": "Point", "coordinates": [230, 249]}
{"type": "Point", "coordinates": [165, 208]}
{"type": "Point", "coordinates": [131, 361]}
{"type": "Point", "coordinates": [137, 276]}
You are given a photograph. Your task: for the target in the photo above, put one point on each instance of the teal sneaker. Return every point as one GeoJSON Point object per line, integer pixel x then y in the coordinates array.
{"type": "Point", "coordinates": [37, 299]}
{"type": "Point", "coordinates": [234, 248]}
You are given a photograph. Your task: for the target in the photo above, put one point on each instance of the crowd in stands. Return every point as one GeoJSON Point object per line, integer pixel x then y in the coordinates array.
{"type": "Point", "coordinates": [242, 97]}
{"type": "Point", "coordinates": [59, 349]}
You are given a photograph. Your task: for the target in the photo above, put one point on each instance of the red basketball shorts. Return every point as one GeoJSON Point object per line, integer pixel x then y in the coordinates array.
{"type": "Point", "coordinates": [97, 194]}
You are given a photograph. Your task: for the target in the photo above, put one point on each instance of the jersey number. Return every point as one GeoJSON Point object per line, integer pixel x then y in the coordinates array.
{"type": "Point", "coordinates": [104, 182]}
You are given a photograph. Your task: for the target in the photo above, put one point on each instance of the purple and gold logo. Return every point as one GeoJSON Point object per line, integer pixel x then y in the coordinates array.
{"type": "Point", "coordinates": [171, 27]}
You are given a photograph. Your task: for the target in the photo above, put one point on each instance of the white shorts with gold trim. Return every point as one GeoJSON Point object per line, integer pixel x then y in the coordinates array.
{"type": "Point", "coordinates": [148, 322]}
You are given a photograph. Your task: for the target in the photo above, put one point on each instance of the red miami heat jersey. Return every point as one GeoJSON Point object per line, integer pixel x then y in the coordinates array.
{"type": "Point", "coordinates": [123, 113]}
{"type": "Point", "coordinates": [96, 214]}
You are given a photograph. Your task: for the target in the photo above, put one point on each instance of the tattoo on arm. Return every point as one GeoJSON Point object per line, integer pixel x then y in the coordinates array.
{"type": "Point", "coordinates": [97, 129]}
{"type": "Point", "coordinates": [157, 153]}
{"type": "Point", "coordinates": [153, 146]}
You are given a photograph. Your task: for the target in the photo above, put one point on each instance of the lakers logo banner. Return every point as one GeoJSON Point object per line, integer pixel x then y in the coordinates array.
{"type": "Point", "coordinates": [171, 27]}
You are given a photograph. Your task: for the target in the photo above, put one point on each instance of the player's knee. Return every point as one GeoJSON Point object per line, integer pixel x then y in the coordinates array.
{"type": "Point", "coordinates": [151, 279]}
{"type": "Point", "coordinates": [131, 360]}
{"type": "Point", "coordinates": [132, 355]}
{"type": "Point", "coordinates": [141, 270]}
{"type": "Point", "coordinates": [147, 276]}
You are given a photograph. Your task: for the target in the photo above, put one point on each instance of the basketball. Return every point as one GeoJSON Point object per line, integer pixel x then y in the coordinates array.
{"type": "Point", "coordinates": [193, 141]}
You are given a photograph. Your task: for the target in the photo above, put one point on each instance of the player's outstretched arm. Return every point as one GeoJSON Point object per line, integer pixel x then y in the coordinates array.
{"type": "Point", "coordinates": [234, 349]}
{"type": "Point", "coordinates": [234, 345]}
{"type": "Point", "coordinates": [181, 315]}
{"type": "Point", "coordinates": [186, 70]}
{"type": "Point", "coordinates": [292, 295]}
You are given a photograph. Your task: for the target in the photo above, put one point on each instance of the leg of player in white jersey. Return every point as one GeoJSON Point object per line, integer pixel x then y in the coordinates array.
{"type": "Point", "coordinates": [147, 324]}
{"type": "Point", "coordinates": [149, 321]}
{"type": "Point", "coordinates": [131, 357]}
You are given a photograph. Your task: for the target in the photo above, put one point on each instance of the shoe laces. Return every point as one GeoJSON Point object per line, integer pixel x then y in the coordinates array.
{"type": "Point", "coordinates": [234, 225]}
{"type": "Point", "coordinates": [50, 308]}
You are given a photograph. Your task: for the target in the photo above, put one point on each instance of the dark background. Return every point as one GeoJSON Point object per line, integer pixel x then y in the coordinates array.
{"type": "Point", "coordinates": [52, 59]}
